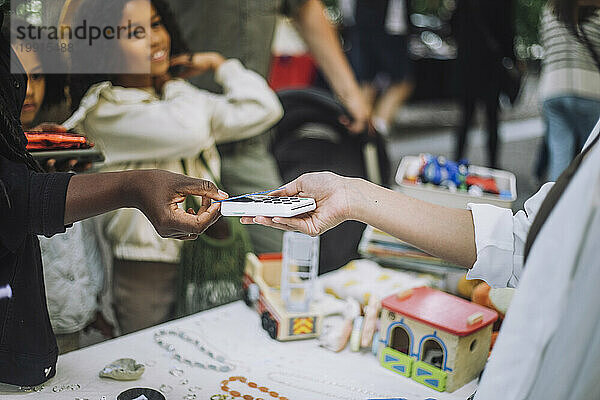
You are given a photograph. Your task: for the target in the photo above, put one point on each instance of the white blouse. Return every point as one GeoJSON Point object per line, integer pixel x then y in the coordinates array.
{"type": "Point", "coordinates": [500, 240]}
{"type": "Point", "coordinates": [548, 344]}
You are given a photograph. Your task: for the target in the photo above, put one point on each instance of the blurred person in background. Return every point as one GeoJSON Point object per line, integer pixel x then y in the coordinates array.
{"type": "Point", "coordinates": [379, 56]}
{"type": "Point", "coordinates": [570, 82]}
{"type": "Point", "coordinates": [244, 30]}
{"type": "Point", "coordinates": [43, 91]}
{"type": "Point", "coordinates": [484, 32]}
{"type": "Point", "coordinates": [160, 120]}
{"type": "Point", "coordinates": [73, 270]}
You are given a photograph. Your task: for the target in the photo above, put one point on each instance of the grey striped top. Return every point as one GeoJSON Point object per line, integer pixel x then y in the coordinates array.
{"type": "Point", "coordinates": [568, 68]}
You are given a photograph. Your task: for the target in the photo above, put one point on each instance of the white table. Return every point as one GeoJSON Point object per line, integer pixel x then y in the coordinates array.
{"type": "Point", "coordinates": [234, 331]}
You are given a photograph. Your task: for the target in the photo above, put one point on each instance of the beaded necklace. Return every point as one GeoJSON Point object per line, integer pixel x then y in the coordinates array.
{"type": "Point", "coordinates": [222, 366]}
{"type": "Point", "coordinates": [234, 393]}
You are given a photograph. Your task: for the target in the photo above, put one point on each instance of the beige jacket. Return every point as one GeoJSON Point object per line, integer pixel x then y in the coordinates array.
{"type": "Point", "coordinates": [137, 129]}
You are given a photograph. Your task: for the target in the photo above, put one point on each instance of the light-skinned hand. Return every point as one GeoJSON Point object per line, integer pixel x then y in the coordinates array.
{"type": "Point", "coordinates": [359, 111]}
{"type": "Point", "coordinates": [330, 192]}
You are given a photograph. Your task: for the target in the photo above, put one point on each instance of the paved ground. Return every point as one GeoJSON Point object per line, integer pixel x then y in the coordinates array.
{"type": "Point", "coordinates": [429, 127]}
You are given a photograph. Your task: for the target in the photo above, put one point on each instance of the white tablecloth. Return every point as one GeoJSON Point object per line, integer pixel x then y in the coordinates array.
{"type": "Point", "coordinates": [298, 370]}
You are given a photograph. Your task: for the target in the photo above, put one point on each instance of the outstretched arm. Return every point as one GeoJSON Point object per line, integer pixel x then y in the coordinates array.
{"type": "Point", "coordinates": [155, 193]}
{"type": "Point", "coordinates": [444, 232]}
{"type": "Point", "coordinates": [325, 47]}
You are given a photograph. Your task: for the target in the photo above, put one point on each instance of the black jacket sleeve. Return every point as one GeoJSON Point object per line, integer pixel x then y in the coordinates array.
{"type": "Point", "coordinates": [30, 203]}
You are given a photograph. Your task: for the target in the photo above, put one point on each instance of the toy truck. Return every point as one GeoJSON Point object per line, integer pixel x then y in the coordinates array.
{"type": "Point", "coordinates": [261, 290]}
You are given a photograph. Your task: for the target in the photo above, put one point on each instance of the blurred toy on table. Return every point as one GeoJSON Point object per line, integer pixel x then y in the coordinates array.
{"type": "Point", "coordinates": [453, 175]}
{"type": "Point", "coordinates": [263, 290]}
{"type": "Point", "coordinates": [442, 172]}
{"type": "Point", "coordinates": [359, 279]}
{"type": "Point", "coordinates": [361, 284]}
{"type": "Point", "coordinates": [454, 184]}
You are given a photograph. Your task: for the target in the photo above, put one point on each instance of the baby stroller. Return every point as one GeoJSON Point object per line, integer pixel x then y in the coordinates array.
{"type": "Point", "coordinates": [310, 138]}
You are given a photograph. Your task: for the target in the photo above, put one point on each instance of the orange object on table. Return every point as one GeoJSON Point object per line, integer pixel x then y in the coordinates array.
{"type": "Point", "coordinates": [486, 184]}
{"type": "Point", "coordinates": [481, 295]}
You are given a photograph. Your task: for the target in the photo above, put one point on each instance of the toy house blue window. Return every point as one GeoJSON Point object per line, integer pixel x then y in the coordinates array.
{"type": "Point", "coordinates": [399, 340]}
{"type": "Point", "coordinates": [400, 337]}
{"type": "Point", "coordinates": [432, 353]}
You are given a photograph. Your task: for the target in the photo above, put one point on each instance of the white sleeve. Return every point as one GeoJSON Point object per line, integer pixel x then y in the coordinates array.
{"type": "Point", "coordinates": [248, 106]}
{"type": "Point", "coordinates": [133, 126]}
{"type": "Point", "coordinates": [500, 240]}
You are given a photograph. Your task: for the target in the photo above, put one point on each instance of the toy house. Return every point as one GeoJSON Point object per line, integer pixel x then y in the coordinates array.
{"type": "Point", "coordinates": [435, 338]}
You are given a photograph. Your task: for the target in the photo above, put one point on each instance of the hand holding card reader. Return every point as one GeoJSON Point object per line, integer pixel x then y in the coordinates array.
{"type": "Point", "coordinates": [266, 206]}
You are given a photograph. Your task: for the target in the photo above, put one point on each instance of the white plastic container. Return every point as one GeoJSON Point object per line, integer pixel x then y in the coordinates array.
{"type": "Point", "coordinates": [505, 180]}
{"type": "Point", "coordinates": [299, 270]}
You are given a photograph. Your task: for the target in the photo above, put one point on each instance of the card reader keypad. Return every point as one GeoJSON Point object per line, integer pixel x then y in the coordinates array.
{"type": "Point", "coordinates": [268, 200]}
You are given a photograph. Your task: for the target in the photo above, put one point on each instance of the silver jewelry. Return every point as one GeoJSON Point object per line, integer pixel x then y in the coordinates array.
{"type": "Point", "coordinates": [165, 388]}
{"type": "Point", "coordinates": [176, 371]}
{"type": "Point", "coordinates": [222, 366]}
{"type": "Point", "coordinates": [29, 389]}
{"type": "Point", "coordinates": [60, 388]}
{"type": "Point", "coordinates": [311, 380]}
{"type": "Point", "coordinates": [184, 382]}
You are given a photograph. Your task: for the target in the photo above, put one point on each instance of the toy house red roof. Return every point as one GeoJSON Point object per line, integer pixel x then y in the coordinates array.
{"type": "Point", "coordinates": [441, 310]}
